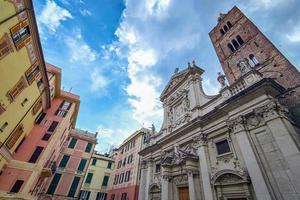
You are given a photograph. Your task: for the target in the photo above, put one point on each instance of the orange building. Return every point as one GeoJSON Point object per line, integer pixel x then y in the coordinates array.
{"type": "Point", "coordinates": [35, 158]}
{"type": "Point", "coordinates": [124, 183]}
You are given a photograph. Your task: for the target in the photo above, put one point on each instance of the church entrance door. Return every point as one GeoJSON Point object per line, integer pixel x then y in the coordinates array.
{"type": "Point", "coordinates": [183, 193]}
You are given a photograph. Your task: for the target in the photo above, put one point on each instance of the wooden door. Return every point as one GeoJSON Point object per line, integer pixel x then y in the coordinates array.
{"type": "Point", "coordinates": [183, 193]}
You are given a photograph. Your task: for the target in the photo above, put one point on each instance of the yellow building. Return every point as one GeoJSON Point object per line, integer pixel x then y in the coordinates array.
{"type": "Point", "coordinates": [24, 87]}
{"type": "Point", "coordinates": [97, 178]}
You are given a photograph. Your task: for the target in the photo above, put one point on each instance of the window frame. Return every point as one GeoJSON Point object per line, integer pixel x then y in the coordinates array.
{"type": "Point", "coordinates": [217, 149]}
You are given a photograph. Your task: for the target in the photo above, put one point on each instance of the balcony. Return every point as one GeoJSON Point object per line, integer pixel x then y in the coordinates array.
{"type": "Point", "coordinates": [49, 171]}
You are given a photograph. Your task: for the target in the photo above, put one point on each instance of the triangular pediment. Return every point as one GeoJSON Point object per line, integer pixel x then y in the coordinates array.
{"type": "Point", "coordinates": [178, 78]}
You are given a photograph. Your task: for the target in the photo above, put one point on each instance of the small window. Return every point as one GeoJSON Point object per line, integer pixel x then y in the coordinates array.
{"type": "Point", "coordinates": [88, 147]}
{"type": "Point", "coordinates": [36, 154]}
{"type": "Point", "coordinates": [109, 165]}
{"type": "Point", "coordinates": [17, 186]}
{"type": "Point", "coordinates": [105, 181]}
{"type": "Point", "coordinates": [225, 28]}
{"type": "Point", "coordinates": [82, 165]}
{"type": "Point", "coordinates": [223, 147]}
{"type": "Point", "coordinates": [72, 143]}
{"type": "Point", "coordinates": [54, 184]}
{"type": "Point", "coordinates": [64, 161]}
{"type": "Point", "coordinates": [121, 178]}
{"type": "Point", "coordinates": [94, 161]}
{"type": "Point", "coordinates": [89, 178]}
{"type": "Point", "coordinates": [53, 126]}
{"type": "Point", "coordinates": [46, 136]}
{"type": "Point", "coordinates": [74, 186]}
{"type": "Point", "coordinates": [31, 73]}
{"type": "Point", "coordinates": [240, 40]}
{"type": "Point", "coordinates": [40, 117]}
{"type": "Point", "coordinates": [229, 24]}
{"type": "Point", "coordinates": [230, 47]}
{"type": "Point", "coordinates": [235, 44]}
{"type": "Point", "coordinates": [116, 179]}
{"type": "Point", "coordinates": [157, 168]}
{"type": "Point", "coordinates": [17, 89]}
{"type": "Point", "coordinates": [124, 196]}
{"type": "Point", "coordinates": [253, 60]}
{"type": "Point", "coordinates": [222, 32]}
{"type": "Point", "coordinates": [14, 137]}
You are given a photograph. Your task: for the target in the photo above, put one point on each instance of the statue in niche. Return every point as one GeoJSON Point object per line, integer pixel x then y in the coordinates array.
{"type": "Point", "coordinates": [176, 70]}
{"type": "Point", "coordinates": [244, 66]}
{"type": "Point", "coordinates": [221, 79]}
{"type": "Point", "coordinates": [170, 115]}
{"type": "Point", "coordinates": [186, 102]}
{"type": "Point", "coordinates": [152, 129]}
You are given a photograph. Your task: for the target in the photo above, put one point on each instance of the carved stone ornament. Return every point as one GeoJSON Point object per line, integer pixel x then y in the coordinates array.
{"type": "Point", "coordinates": [236, 124]}
{"type": "Point", "coordinates": [180, 180]}
{"type": "Point", "coordinates": [200, 140]}
{"type": "Point", "coordinates": [271, 111]}
{"type": "Point", "coordinates": [244, 66]}
{"type": "Point", "coordinates": [178, 155]}
{"type": "Point", "coordinates": [225, 158]}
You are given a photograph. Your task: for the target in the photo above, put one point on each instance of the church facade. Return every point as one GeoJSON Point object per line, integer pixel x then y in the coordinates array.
{"type": "Point", "coordinates": [241, 144]}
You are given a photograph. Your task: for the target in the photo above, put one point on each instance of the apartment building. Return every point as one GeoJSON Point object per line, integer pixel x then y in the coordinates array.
{"type": "Point", "coordinates": [124, 184]}
{"type": "Point", "coordinates": [34, 159]}
{"type": "Point", "coordinates": [73, 163]}
{"type": "Point", "coordinates": [97, 177]}
{"type": "Point", "coordinates": [24, 88]}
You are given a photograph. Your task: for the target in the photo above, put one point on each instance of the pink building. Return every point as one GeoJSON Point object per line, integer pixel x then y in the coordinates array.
{"type": "Point", "coordinates": [124, 184]}
{"type": "Point", "coordinates": [35, 158]}
{"type": "Point", "coordinates": [72, 165]}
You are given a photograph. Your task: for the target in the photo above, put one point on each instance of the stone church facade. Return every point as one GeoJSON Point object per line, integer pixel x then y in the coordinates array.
{"type": "Point", "coordinates": [241, 144]}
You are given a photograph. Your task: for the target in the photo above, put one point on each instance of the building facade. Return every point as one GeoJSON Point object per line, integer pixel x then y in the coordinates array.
{"type": "Point", "coordinates": [124, 183]}
{"type": "Point", "coordinates": [24, 89]}
{"type": "Point", "coordinates": [73, 163]}
{"type": "Point", "coordinates": [97, 178]}
{"type": "Point", "coordinates": [34, 159]}
{"type": "Point", "coordinates": [238, 144]}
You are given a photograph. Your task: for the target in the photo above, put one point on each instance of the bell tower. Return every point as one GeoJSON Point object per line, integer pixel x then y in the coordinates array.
{"type": "Point", "coordinates": [235, 37]}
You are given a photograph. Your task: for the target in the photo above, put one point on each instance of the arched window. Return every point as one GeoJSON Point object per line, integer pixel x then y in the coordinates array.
{"type": "Point", "coordinates": [253, 61]}
{"type": "Point", "coordinates": [225, 28]}
{"type": "Point", "coordinates": [222, 32]}
{"type": "Point", "coordinates": [229, 24]}
{"type": "Point", "coordinates": [230, 47]}
{"type": "Point", "coordinates": [235, 44]}
{"type": "Point", "coordinates": [240, 40]}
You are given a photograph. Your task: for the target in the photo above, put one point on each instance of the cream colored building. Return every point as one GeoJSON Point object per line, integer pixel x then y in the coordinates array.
{"type": "Point", "coordinates": [95, 185]}
{"type": "Point", "coordinates": [239, 144]}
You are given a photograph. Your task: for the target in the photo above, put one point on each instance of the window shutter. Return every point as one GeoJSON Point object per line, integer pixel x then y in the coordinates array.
{"type": "Point", "coordinates": [88, 147]}
{"type": "Point", "coordinates": [14, 136]}
{"type": "Point", "coordinates": [17, 186]}
{"type": "Point", "coordinates": [82, 165]}
{"type": "Point", "coordinates": [40, 117]}
{"type": "Point", "coordinates": [53, 184]}
{"type": "Point", "coordinates": [64, 161]}
{"type": "Point", "coordinates": [72, 143]}
{"type": "Point", "coordinates": [89, 178]}
{"type": "Point", "coordinates": [36, 154]}
{"type": "Point", "coordinates": [53, 126]}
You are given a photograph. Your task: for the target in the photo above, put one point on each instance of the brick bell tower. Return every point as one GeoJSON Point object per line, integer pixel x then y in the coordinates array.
{"type": "Point", "coordinates": [235, 37]}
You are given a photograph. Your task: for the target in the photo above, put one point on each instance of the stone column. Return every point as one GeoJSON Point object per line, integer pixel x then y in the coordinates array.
{"type": "Point", "coordinates": [201, 142]}
{"type": "Point", "coordinates": [143, 181]}
{"type": "Point", "coordinates": [149, 178]}
{"type": "Point", "coordinates": [165, 187]}
{"type": "Point", "coordinates": [192, 193]}
{"type": "Point", "coordinates": [282, 131]}
{"type": "Point", "coordinates": [237, 126]}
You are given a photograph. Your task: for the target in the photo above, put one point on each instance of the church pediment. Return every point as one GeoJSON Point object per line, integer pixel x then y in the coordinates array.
{"type": "Point", "coordinates": [180, 77]}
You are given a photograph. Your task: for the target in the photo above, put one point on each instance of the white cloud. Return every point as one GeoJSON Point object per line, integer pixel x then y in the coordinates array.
{"type": "Point", "coordinates": [255, 5]}
{"type": "Point", "coordinates": [153, 32]}
{"type": "Point", "coordinates": [52, 15]}
{"type": "Point", "coordinates": [99, 82]}
{"type": "Point", "coordinates": [80, 51]}
{"type": "Point", "coordinates": [295, 35]}
{"type": "Point", "coordinates": [85, 12]}
{"type": "Point", "coordinates": [209, 87]}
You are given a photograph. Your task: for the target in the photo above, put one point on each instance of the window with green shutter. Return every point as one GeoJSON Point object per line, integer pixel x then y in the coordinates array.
{"type": "Point", "coordinates": [64, 161]}
{"type": "Point", "coordinates": [82, 165]}
{"type": "Point", "coordinates": [109, 165]}
{"type": "Point", "coordinates": [89, 178]}
{"type": "Point", "coordinates": [53, 184]}
{"type": "Point", "coordinates": [88, 147]}
{"type": "Point", "coordinates": [94, 161]}
{"type": "Point", "coordinates": [105, 181]}
{"type": "Point", "coordinates": [72, 143]}
{"type": "Point", "coordinates": [74, 185]}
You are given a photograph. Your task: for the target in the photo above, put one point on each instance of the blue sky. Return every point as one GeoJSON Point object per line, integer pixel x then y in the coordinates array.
{"type": "Point", "coordinates": [119, 54]}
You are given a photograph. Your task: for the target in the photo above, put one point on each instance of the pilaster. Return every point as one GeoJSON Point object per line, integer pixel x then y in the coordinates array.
{"type": "Point", "coordinates": [201, 143]}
